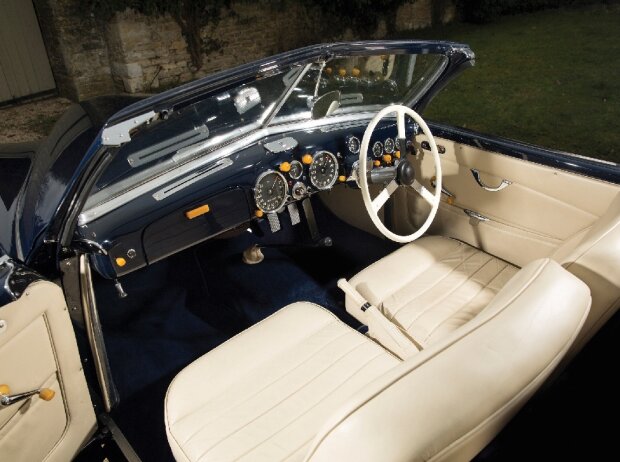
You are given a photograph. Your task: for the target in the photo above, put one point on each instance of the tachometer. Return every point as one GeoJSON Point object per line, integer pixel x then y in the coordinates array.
{"type": "Point", "coordinates": [324, 170]}
{"type": "Point", "coordinates": [377, 149]}
{"type": "Point", "coordinates": [389, 145]}
{"type": "Point", "coordinates": [353, 143]}
{"type": "Point", "coordinates": [270, 191]}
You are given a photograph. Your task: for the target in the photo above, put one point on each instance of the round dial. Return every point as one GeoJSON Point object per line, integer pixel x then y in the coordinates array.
{"type": "Point", "coordinates": [270, 191]}
{"type": "Point", "coordinates": [324, 170]}
{"type": "Point", "coordinates": [377, 149]}
{"type": "Point", "coordinates": [296, 170]}
{"type": "Point", "coordinates": [389, 145]}
{"type": "Point", "coordinates": [353, 143]}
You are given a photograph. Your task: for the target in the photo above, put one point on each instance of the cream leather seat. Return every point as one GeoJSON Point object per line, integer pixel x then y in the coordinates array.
{"type": "Point", "coordinates": [301, 385]}
{"type": "Point", "coordinates": [431, 286]}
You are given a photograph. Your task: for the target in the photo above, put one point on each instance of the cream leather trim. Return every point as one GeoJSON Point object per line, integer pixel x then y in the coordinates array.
{"type": "Point", "coordinates": [442, 284]}
{"type": "Point", "coordinates": [428, 418]}
{"type": "Point", "coordinates": [51, 351]}
{"type": "Point", "coordinates": [263, 394]}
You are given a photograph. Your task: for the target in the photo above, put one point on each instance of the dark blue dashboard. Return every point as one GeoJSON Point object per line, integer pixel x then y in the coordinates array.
{"type": "Point", "coordinates": [146, 230]}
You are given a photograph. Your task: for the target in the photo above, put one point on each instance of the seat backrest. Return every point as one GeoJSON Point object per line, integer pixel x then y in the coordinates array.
{"type": "Point", "coordinates": [594, 257]}
{"type": "Point", "coordinates": [451, 399]}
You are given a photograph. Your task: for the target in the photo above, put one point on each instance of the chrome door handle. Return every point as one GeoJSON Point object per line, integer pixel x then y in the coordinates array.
{"type": "Point", "coordinates": [475, 215]}
{"type": "Point", "coordinates": [501, 186]}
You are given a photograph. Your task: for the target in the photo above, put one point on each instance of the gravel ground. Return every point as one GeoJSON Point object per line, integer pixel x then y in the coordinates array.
{"type": "Point", "coordinates": [30, 121]}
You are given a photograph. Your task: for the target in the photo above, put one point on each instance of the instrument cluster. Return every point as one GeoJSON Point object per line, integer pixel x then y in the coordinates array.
{"type": "Point", "coordinates": [302, 175]}
{"type": "Point", "coordinates": [296, 179]}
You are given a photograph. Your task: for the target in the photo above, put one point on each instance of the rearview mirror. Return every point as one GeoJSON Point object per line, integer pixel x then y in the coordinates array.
{"type": "Point", "coordinates": [326, 104]}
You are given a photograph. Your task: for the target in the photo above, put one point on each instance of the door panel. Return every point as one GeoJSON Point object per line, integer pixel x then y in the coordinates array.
{"type": "Point", "coordinates": [38, 350]}
{"type": "Point", "coordinates": [540, 210]}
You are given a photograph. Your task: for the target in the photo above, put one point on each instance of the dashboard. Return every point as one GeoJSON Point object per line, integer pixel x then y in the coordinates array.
{"type": "Point", "coordinates": [263, 181]}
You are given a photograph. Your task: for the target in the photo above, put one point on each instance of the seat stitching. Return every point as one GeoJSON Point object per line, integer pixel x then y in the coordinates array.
{"type": "Point", "coordinates": [436, 282]}
{"type": "Point", "coordinates": [277, 403]}
{"type": "Point", "coordinates": [413, 366]}
{"type": "Point", "coordinates": [262, 389]}
{"type": "Point", "coordinates": [193, 411]}
{"type": "Point", "coordinates": [506, 265]}
{"type": "Point", "coordinates": [446, 295]}
{"type": "Point", "coordinates": [313, 406]}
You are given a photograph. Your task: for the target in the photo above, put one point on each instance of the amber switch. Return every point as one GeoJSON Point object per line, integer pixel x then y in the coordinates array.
{"type": "Point", "coordinates": [285, 167]}
{"type": "Point", "coordinates": [198, 211]}
{"type": "Point", "coordinates": [120, 261]}
{"type": "Point", "coordinates": [307, 159]}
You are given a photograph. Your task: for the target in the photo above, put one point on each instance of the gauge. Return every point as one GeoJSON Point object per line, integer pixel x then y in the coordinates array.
{"type": "Point", "coordinates": [377, 149]}
{"type": "Point", "coordinates": [324, 170]}
{"type": "Point", "coordinates": [299, 190]}
{"type": "Point", "coordinates": [296, 170]}
{"type": "Point", "coordinates": [270, 191]}
{"type": "Point", "coordinates": [389, 145]}
{"type": "Point", "coordinates": [353, 143]}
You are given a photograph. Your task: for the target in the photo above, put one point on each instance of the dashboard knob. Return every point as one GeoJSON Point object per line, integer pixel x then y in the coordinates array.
{"type": "Point", "coordinates": [342, 178]}
{"type": "Point", "coordinates": [285, 167]}
{"type": "Point", "coordinates": [356, 72]}
{"type": "Point", "coordinates": [307, 159]}
{"type": "Point", "coordinates": [342, 72]}
{"type": "Point", "coordinates": [376, 163]}
{"type": "Point", "coordinates": [259, 213]}
{"type": "Point", "coordinates": [387, 158]}
{"type": "Point", "coordinates": [328, 70]}
{"type": "Point", "coordinates": [120, 261]}
{"type": "Point", "coordinates": [397, 154]}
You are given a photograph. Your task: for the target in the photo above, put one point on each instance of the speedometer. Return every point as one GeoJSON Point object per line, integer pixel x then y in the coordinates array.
{"type": "Point", "coordinates": [270, 191]}
{"type": "Point", "coordinates": [389, 145]}
{"type": "Point", "coordinates": [324, 170]}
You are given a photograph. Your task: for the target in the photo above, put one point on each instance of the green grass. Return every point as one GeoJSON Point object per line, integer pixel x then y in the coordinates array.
{"type": "Point", "coordinates": [550, 78]}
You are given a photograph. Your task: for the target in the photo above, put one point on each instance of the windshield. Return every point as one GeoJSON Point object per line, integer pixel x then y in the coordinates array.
{"type": "Point", "coordinates": [366, 84]}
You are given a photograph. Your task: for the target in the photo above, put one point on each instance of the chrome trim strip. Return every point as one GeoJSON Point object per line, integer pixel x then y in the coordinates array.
{"type": "Point", "coordinates": [104, 207]}
{"type": "Point", "coordinates": [187, 181]}
{"type": "Point", "coordinates": [285, 96]}
{"type": "Point", "coordinates": [504, 184]}
{"type": "Point", "coordinates": [109, 392]}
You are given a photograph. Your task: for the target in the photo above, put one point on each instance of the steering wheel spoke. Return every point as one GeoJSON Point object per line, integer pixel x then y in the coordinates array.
{"type": "Point", "coordinates": [425, 193]}
{"type": "Point", "coordinates": [384, 195]}
{"type": "Point", "coordinates": [400, 124]}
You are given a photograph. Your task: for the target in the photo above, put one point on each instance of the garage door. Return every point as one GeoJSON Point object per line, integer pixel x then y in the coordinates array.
{"type": "Point", "coordinates": [24, 66]}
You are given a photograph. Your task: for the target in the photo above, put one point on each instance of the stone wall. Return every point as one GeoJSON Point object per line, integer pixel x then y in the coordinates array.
{"type": "Point", "coordinates": [134, 53]}
{"type": "Point", "coordinates": [77, 49]}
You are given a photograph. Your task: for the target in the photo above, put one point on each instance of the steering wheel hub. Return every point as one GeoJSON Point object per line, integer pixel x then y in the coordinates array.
{"type": "Point", "coordinates": [405, 173]}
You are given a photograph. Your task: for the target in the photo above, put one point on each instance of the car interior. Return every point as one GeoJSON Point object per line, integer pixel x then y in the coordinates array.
{"type": "Point", "coordinates": [324, 286]}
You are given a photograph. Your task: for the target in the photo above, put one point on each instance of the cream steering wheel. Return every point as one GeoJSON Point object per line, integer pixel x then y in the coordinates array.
{"type": "Point", "coordinates": [404, 174]}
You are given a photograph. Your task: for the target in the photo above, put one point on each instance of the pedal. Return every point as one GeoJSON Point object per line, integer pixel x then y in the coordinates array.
{"type": "Point", "coordinates": [253, 255]}
{"type": "Point", "coordinates": [274, 222]}
{"type": "Point", "coordinates": [293, 211]}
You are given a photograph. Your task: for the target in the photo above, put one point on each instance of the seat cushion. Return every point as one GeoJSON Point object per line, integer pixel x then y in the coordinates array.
{"type": "Point", "coordinates": [264, 394]}
{"type": "Point", "coordinates": [432, 286]}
